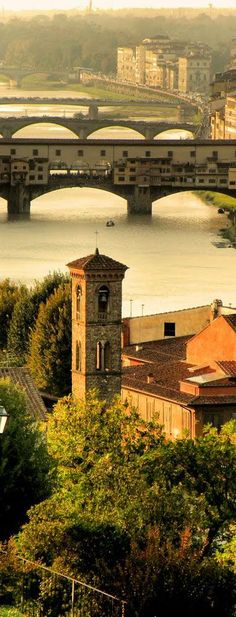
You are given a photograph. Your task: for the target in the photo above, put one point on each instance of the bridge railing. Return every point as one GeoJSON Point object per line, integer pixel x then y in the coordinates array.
{"type": "Point", "coordinates": [39, 591]}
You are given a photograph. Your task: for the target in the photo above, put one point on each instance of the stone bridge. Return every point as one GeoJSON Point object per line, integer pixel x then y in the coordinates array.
{"type": "Point", "coordinates": [83, 128]}
{"type": "Point", "coordinates": [140, 171]}
{"type": "Point", "coordinates": [137, 201]}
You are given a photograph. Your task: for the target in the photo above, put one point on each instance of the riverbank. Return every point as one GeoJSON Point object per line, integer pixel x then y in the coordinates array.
{"type": "Point", "coordinates": [228, 204]}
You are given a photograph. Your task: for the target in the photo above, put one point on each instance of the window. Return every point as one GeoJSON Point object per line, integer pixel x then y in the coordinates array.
{"type": "Point", "coordinates": [80, 153]}
{"type": "Point", "coordinates": [78, 301]}
{"type": "Point", "coordinates": [192, 153]}
{"type": "Point", "coordinates": [35, 152]}
{"type": "Point", "coordinates": [215, 419]}
{"type": "Point", "coordinates": [99, 356]}
{"type": "Point", "coordinates": [13, 151]}
{"type": "Point", "coordinates": [169, 328]}
{"type": "Point", "coordinates": [103, 302]}
{"type": "Point", "coordinates": [32, 177]}
{"type": "Point", "coordinates": [147, 153]}
{"type": "Point", "coordinates": [102, 152]}
{"type": "Point", "coordinates": [212, 180]}
{"type": "Point", "coordinates": [78, 356]}
{"type": "Point", "coordinates": [132, 178]}
{"type": "Point", "coordinates": [170, 154]}
{"type": "Point", "coordinates": [107, 356]}
{"type": "Point", "coordinates": [40, 177]}
{"type": "Point", "coordinates": [125, 153]}
{"type": "Point", "coordinates": [223, 181]}
{"type": "Point", "coordinates": [103, 356]}
{"type": "Point", "coordinates": [40, 168]}
{"type": "Point", "coordinates": [58, 152]}
{"type": "Point", "coordinates": [215, 154]}
{"type": "Point", "coordinates": [121, 178]}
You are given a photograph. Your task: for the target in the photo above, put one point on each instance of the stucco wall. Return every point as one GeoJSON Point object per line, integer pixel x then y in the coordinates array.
{"type": "Point", "coordinates": [217, 342]}
{"type": "Point", "coordinates": [151, 327]}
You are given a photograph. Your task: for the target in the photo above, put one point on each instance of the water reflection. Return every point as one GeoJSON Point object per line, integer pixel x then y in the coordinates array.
{"type": "Point", "coordinates": [172, 259]}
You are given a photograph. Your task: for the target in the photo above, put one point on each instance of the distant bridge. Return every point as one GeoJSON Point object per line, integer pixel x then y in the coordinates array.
{"type": "Point", "coordinates": [83, 128]}
{"type": "Point", "coordinates": [138, 170]}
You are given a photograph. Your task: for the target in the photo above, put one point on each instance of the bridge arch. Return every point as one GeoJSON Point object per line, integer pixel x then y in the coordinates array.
{"type": "Point", "coordinates": [43, 127]}
{"type": "Point", "coordinates": [87, 199]}
{"type": "Point", "coordinates": [171, 133]}
{"type": "Point", "coordinates": [111, 131]}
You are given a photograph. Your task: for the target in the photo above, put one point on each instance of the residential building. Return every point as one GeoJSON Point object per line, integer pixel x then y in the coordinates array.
{"type": "Point", "coordinates": [194, 73]}
{"type": "Point", "coordinates": [186, 382]}
{"type": "Point", "coordinates": [161, 62]}
{"type": "Point", "coordinates": [223, 120]}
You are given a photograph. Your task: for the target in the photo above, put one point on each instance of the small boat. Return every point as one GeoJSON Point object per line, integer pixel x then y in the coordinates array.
{"type": "Point", "coordinates": [110, 223]}
{"type": "Point", "coordinates": [221, 210]}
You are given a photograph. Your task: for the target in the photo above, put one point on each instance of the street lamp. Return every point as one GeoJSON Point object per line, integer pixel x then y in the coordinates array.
{"type": "Point", "coordinates": [3, 418]}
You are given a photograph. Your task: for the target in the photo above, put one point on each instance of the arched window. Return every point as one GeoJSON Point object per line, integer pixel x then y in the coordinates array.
{"type": "Point", "coordinates": [99, 356]}
{"type": "Point", "coordinates": [107, 356]}
{"type": "Point", "coordinates": [103, 301]}
{"type": "Point", "coordinates": [103, 356]}
{"type": "Point", "coordinates": [78, 356]}
{"type": "Point", "coordinates": [78, 301]}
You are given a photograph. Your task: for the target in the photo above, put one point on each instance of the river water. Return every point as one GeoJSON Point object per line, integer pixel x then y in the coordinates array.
{"type": "Point", "coordinates": [172, 257]}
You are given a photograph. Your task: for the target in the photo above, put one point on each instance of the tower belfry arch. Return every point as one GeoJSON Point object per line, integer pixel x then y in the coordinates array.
{"type": "Point", "coordinates": [96, 325]}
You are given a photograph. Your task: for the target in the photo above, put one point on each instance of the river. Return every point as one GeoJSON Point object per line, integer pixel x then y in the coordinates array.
{"type": "Point", "coordinates": [172, 257]}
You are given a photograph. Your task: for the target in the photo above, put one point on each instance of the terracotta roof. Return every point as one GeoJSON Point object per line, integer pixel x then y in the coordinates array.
{"type": "Point", "coordinates": [228, 366]}
{"type": "Point", "coordinates": [214, 400]}
{"type": "Point", "coordinates": [22, 377]}
{"type": "Point", "coordinates": [231, 319]}
{"type": "Point", "coordinates": [166, 378]}
{"type": "Point", "coordinates": [158, 351]}
{"type": "Point", "coordinates": [97, 262]}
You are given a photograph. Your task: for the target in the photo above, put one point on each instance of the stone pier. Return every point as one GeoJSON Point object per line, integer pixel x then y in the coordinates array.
{"type": "Point", "coordinates": [18, 202]}
{"type": "Point", "coordinates": [140, 202]}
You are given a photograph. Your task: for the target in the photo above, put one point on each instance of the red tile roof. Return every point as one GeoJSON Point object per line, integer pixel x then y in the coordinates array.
{"type": "Point", "coordinates": [22, 377]}
{"type": "Point", "coordinates": [158, 351]}
{"type": "Point", "coordinates": [228, 366]}
{"type": "Point", "coordinates": [97, 262]}
{"type": "Point", "coordinates": [231, 319]}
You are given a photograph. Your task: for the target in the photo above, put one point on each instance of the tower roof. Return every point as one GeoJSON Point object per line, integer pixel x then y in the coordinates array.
{"type": "Point", "coordinates": [96, 262]}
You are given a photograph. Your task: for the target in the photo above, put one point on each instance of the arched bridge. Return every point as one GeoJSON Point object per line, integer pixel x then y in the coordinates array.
{"type": "Point", "coordinates": [141, 171]}
{"type": "Point", "coordinates": [83, 128]}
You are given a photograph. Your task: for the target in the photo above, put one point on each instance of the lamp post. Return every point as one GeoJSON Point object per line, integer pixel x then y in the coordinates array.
{"type": "Point", "coordinates": [3, 418]}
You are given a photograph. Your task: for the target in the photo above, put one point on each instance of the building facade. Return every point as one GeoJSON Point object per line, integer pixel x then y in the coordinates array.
{"type": "Point", "coordinates": [161, 62]}
{"type": "Point", "coordinates": [185, 382]}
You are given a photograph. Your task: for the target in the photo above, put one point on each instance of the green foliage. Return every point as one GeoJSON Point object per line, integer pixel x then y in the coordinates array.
{"type": "Point", "coordinates": [24, 462]}
{"type": "Point", "coordinates": [23, 316]}
{"type": "Point", "coordinates": [20, 308]}
{"type": "Point", "coordinates": [49, 356]}
{"type": "Point", "coordinates": [9, 294]}
{"type": "Point", "coordinates": [134, 514]}
{"type": "Point", "coordinates": [64, 41]}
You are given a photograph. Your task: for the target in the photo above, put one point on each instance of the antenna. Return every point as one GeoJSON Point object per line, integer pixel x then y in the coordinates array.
{"type": "Point", "coordinates": [96, 234]}
{"type": "Point", "coordinates": [90, 6]}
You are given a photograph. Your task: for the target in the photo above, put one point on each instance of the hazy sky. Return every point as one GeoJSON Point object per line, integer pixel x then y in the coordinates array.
{"type": "Point", "coordinates": [14, 5]}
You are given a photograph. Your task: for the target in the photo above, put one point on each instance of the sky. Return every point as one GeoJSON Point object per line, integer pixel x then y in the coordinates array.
{"type": "Point", "coordinates": [18, 5]}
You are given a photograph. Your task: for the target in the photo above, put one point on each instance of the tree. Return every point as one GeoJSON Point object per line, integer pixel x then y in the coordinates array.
{"type": "Point", "coordinates": [133, 514]}
{"type": "Point", "coordinates": [25, 313]}
{"type": "Point", "coordinates": [19, 329]}
{"type": "Point", "coordinates": [24, 461]}
{"type": "Point", "coordinates": [49, 356]}
{"type": "Point", "coordinates": [9, 294]}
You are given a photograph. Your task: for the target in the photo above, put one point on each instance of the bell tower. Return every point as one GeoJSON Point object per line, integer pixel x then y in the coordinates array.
{"type": "Point", "coordinates": [96, 325]}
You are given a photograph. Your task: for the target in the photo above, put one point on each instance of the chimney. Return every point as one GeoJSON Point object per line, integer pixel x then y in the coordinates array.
{"type": "Point", "coordinates": [216, 308]}
{"type": "Point", "coordinates": [150, 378]}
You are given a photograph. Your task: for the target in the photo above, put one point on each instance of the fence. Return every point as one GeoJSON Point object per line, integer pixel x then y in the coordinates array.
{"type": "Point", "coordinates": [39, 591]}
